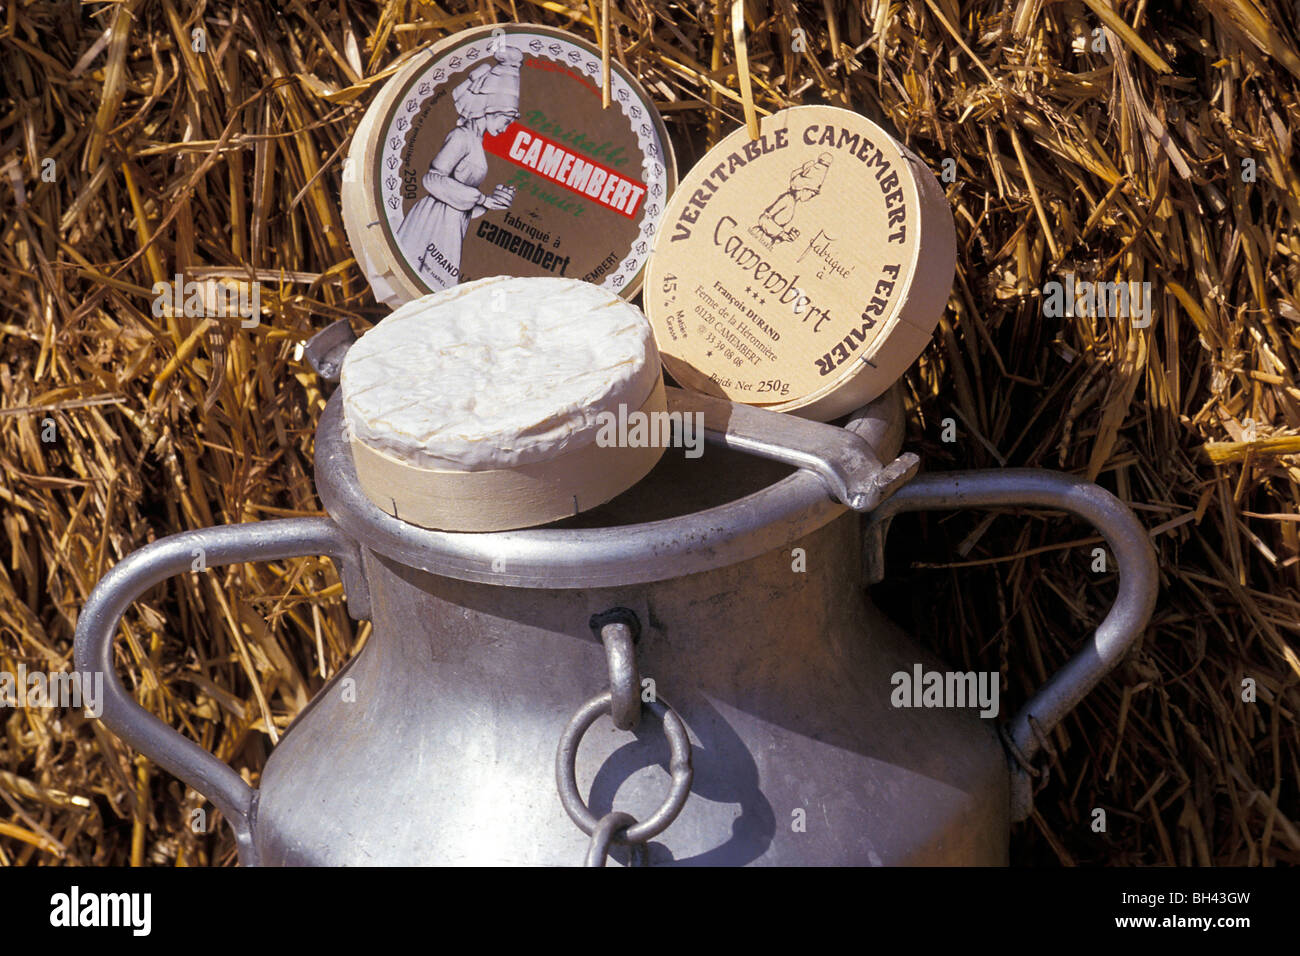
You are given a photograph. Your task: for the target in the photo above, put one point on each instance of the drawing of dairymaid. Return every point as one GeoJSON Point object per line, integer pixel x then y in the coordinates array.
{"type": "Point", "coordinates": [434, 229]}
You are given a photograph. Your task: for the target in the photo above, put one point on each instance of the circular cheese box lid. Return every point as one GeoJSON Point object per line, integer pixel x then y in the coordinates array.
{"type": "Point", "coordinates": [490, 154]}
{"type": "Point", "coordinates": [805, 270]}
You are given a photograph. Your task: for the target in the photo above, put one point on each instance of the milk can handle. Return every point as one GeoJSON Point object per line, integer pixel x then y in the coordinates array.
{"type": "Point", "coordinates": [176, 554]}
{"type": "Point", "coordinates": [1127, 618]}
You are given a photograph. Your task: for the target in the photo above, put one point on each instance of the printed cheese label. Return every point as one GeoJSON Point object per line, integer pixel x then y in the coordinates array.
{"type": "Point", "coordinates": [783, 261]}
{"type": "Point", "coordinates": [497, 158]}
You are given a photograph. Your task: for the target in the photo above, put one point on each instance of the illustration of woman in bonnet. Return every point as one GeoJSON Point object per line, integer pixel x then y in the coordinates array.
{"type": "Point", "coordinates": [434, 229]}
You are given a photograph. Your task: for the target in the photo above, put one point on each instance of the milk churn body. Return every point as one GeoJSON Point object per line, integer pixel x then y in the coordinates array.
{"type": "Point", "coordinates": [782, 677]}
{"type": "Point", "coordinates": [438, 742]}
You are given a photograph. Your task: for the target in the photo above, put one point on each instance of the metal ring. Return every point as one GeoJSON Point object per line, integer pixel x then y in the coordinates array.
{"type": "Point", "coordinates": [603, 838]}
{"type": "Point", "coordinates": [679, 765]}
{"type": "Point", "coordinates": [624, 679]}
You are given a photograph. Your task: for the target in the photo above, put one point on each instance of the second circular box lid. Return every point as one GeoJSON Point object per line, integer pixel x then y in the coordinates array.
{"type": "Point", "coordinates": [804, 270]}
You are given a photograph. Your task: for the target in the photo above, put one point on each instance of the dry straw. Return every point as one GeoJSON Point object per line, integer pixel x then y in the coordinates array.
{"type": "Point", "coordinates": [1126, 141]}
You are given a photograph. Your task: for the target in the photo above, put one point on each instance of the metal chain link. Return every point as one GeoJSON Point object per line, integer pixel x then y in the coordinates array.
{"type": "Point", "coordinates": [679, 767]}
{"type": "Point", "coordinates": [602, 839]}
{"type": "Point", "coordinates": [618, 630]}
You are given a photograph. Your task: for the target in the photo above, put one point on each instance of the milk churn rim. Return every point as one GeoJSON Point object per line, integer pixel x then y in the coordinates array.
{"type": "Point", "coordinates": [770, 518]}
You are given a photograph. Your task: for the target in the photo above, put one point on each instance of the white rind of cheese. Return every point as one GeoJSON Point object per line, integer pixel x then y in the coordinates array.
{"type": "Point", "coordinates": [497, 373]}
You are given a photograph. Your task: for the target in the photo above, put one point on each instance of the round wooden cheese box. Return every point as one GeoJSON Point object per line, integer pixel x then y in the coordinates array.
{"type": "Point", "coordinates": [804, 270]}
{"type": "Point", "coordinates": [504, 403]}
{"type": "Point", "coordinates": [491, 153]}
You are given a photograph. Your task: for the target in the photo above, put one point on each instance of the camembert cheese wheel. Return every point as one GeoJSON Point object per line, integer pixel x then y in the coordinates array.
{"type": "Point", "coordinates": [496, 404]}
